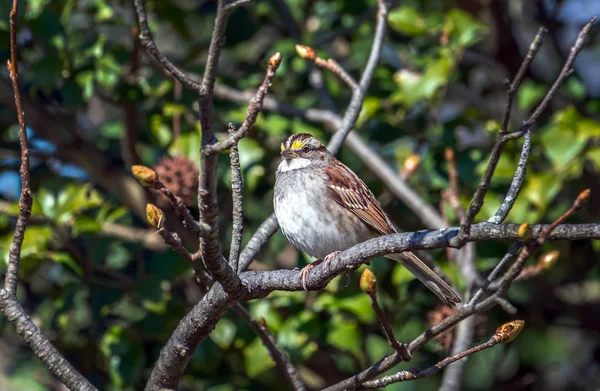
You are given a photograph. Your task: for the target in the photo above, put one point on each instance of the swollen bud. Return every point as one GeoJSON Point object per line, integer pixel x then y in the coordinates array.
{"type": "Point", "coordinates": [154, 215]}
{"type": "Point", "coordinates": [582, 197]}
{"type": "Point", "coordinates": [146, 176]}
{"type": "Point", "coordinates": [411, 164]}
{"type": "Point", "coordinates": [306, 52]}
{"type": "Point", "coordinates": [524, 232]}
{"type": "Point", "coordinates": [547, 260]}
{"type": "Point", "coordinates": [368, 282]}
{"type": "Point", "coordinates": [509, 331]}
{"type": "Point", "coordinates": [275, 60]}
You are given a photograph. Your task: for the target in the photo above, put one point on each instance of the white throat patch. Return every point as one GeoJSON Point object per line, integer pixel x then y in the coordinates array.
{"type": "Point", "coordinates": [294, 164]}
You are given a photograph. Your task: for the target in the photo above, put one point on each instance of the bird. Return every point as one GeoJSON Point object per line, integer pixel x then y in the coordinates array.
{"type": "Point", "coordinates": [323, 208]}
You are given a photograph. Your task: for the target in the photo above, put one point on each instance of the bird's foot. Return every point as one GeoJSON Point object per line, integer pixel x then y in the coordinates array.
{"type": "Point", "coordinates": [305, 270]}
{"type": "Point", "coordinates": [329, 257]}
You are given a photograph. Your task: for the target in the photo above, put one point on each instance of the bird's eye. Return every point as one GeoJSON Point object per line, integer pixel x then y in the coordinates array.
{"type": "Point", "coordinates": [305, 149]}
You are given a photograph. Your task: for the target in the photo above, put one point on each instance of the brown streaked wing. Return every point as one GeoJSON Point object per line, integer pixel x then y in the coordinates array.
{"type": "Point", "coordinates": [352, 193]}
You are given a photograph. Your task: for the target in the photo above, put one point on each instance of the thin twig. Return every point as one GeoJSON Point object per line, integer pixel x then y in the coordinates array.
{"type": "Point", "coordinates": [9, 304]}
{"type": "Point", "coordinates": [237, 230]}
{"type": "Point", "coordinates": [496, 271]}
{"type": "Point", "coordinates": [464, 312]}
{"type": "Point", "coordinates": [282, 361]}
{"type": "Point", "coordinates": [308, 53]}
{"type": "Point", "coordinates": [148, 42]}
{"type": "Point", "coordinates": [181, 208]}
{"type": "Point", "coordinates": [504, 334]}
{"type": "Point", "coordinates": [208, 204]}
{"type": "Point", "coordinates": [358, 94]}
{"type": "Point", "coordinates": [260, 237]}
{"type": "Point", "coordinates": [504, 136]}
{"type": "Point", "coordinates": [368, 284]}
{"type": "Point", "coordinates": [516, 184]}
{"type": "Point", "coordinates": [254, 108]}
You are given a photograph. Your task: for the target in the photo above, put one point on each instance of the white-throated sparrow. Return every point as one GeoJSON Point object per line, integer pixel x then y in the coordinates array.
{"type": "Point", "coordinates": [323, 208]}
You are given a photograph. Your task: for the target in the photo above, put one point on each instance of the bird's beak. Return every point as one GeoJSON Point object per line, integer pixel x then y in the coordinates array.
{"type": "Point", "coordinates": [288, 154]}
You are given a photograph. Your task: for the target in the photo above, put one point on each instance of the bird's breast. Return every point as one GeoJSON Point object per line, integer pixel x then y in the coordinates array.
{"type": "Point", "coordinates": [311, 219]}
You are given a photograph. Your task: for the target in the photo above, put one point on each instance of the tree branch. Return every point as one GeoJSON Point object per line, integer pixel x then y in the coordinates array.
{"type": "Point", "coordinates": [358, 94]}
{"type": "Point", "coordinates": [368, 284]}
{"type": "Point", "coordinates": [254, 109]}
{"type": "Point", "coordinates": [504, 135]}
{"type": "Point", "coordinates": [148, 41]}
{"type": "Point", "coordinates": [414, 374]}
{"type": "Point", "coordinates": [284, 365]}
{"type": "Point", "coordinates": [9, 304]}
{"type": "Point", "coordinates": [238, 204]}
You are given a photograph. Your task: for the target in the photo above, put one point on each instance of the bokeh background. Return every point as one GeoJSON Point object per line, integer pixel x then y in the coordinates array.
{"type": "Point", "coordinates": [108, 293]}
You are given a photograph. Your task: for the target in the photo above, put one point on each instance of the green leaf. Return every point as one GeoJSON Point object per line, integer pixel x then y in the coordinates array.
{"type": "Point", "coordinates": [594, 156]}
{"type": "Point", "coordinates": [250, 152]}
{"type": "Point", "coordinates": [530, 94]}
{"type": "Point", "coordinates": [74, 199]}
{"type": "Point", "coordinates": [467, 30]}
{"type": "Point", "coordinates": [257, 359]}
{"type": "Point", "coordinates": [541, 189]}
{"type": "Point", "coordinates": [408, 21]}
{"type": "Point", "coordinates": [344, 334]}
{"type": "Point", "coordinates": [401, 275]}
{"type": "Point", "coordinates": [264, 309]}
{"type": "Point", "coordinates": [187, 144]}
{"type": "Point", "coordinates": [117, 256]}
{"type": "Point", "coordinates": [67, 259]}
{"type": "Point", "coordinates": [85, 224]}
{"type": "Point", "coordinates": [224, 333]}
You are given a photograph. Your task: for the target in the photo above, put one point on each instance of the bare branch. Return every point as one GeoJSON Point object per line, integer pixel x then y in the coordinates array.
{"type": "Point", "coordinates": [154, 52]}
{"type": "Point", "coordinates": [504, 136]}
{"type": "Point", "coordinates": [9, 305]}
{"type": "Point", "coordinates": [308, 53]}
{"type": "Point", "coordinates": [260, 237]}
{"type": "Point", "coordinates": [238, 204]}
{"type": "Point", "coordinates": [147, 177]}
{"type": "Point", "coordinates": [284, 365]}
{"type": "Point", "coordinates": [516, 184]}
{"type": "Point", "coordinates": [236, 3]}
{"type": "Point", "coordinates": [358, 94]}
{"type": "Point", "coordinates": [208, 205]}
{"type": "Point", "coordinates": [254, 109]}
{"type": "Point", "coordinates": [515, 328]}
{"type": "Point", "coordinates": [368, 284]}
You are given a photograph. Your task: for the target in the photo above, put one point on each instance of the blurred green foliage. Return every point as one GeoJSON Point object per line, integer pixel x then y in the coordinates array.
{"type": "Point", "coordinates": [110, 304]}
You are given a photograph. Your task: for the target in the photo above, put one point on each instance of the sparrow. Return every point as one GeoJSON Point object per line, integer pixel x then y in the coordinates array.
{"type": "Point", "coordinates": [324, 208]}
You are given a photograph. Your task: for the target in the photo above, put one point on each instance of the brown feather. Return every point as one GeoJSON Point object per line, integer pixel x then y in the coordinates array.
{"type": "Point", "coordinates": [348, 190]}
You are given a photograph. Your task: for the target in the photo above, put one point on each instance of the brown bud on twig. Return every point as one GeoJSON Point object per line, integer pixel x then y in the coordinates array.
{"type": "Point", "coordinates": [547, 260]}
{"type": "Point", "coordinates": [368, 282]}
{"type": "Point", "coordinates": [524, 232]}
{"type": "Point", "coordinates": [275, 60]}
{"type": "Point", "coordinates": [411, 164]}
{"type": "Point", "coordinates": [146, 176]}
{"type": "Point", "coordinates": [509, 331]}
{"type": "Point", "coordinates": [582, 198]}
{"type": "Point", "coordinates": [155, 216]}
{"type": "Point", "coordinates": [306, 52]}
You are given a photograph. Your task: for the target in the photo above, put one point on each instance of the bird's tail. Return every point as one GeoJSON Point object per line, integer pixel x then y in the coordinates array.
{"type": "Point", "coordinates": [427, 276]}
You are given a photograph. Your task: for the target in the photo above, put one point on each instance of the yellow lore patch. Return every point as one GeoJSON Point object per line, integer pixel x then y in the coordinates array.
{"type": "Point", "coordinates": [282, 147]}
{"type": "Point", "coordinates": [297, 145]}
